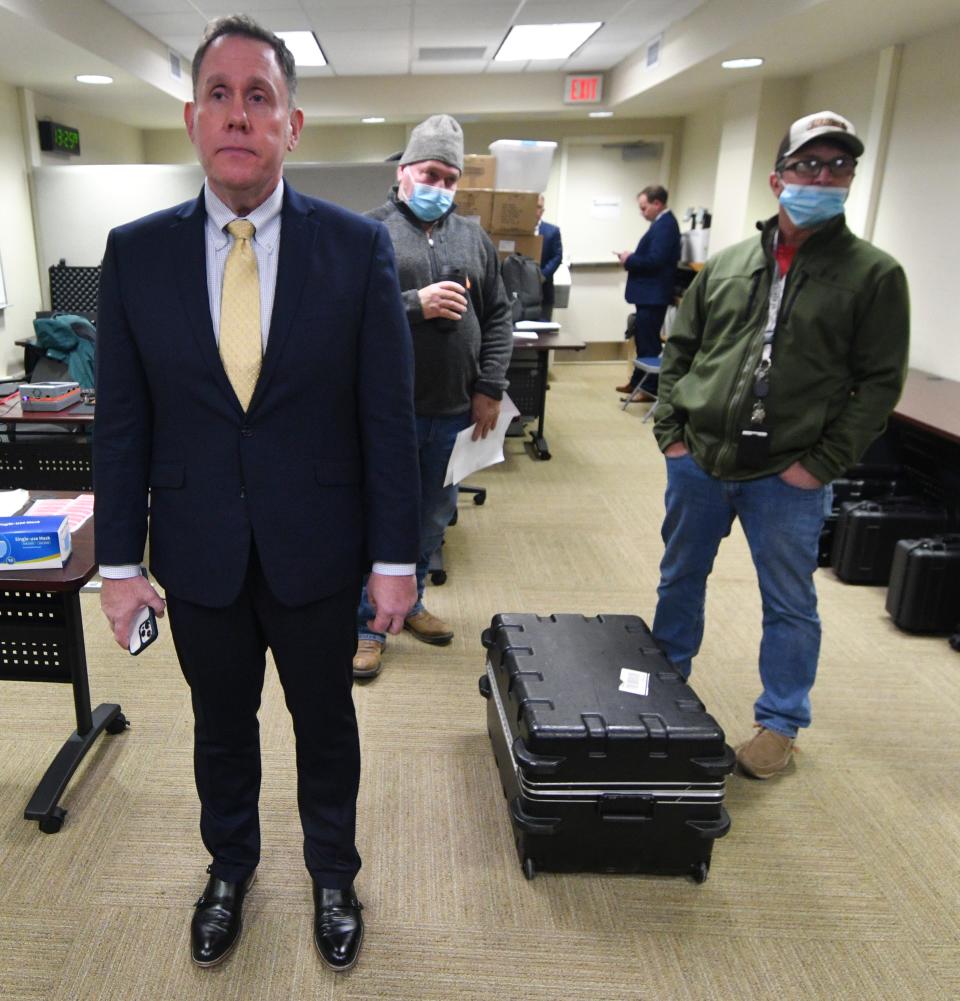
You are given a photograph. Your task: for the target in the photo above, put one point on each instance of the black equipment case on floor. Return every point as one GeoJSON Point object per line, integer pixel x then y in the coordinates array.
{"type": "Point", "coordinates": [599, 779]}
{"type": "Point", "coordinates": [924, 592]}
{"type": "Point", "coordinates": [867, 533]}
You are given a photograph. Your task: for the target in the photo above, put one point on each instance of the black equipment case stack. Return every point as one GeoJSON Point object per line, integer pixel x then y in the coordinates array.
{"type": "Point", "coordinates": [867, 533]}
{"type": "Point", "coordinates": [924, 591]}
{"type": "Point", "coordinates": [599, 779]}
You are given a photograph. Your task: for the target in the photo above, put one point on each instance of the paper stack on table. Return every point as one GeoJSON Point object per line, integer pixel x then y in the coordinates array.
{"type": "Point", "coordinates": [11, 501]}
{"type": "Point", "coordinates": [77, 509]}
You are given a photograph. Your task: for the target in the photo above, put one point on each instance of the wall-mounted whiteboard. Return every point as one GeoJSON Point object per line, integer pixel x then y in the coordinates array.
{"type": "Point", "coordinates": [76, 207]}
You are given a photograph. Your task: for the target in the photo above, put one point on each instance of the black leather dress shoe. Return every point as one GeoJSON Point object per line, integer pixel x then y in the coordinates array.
{"type": "Point", "coordinates": [218, 920]}
{"type": "Point", "coordinates": [337, 927]}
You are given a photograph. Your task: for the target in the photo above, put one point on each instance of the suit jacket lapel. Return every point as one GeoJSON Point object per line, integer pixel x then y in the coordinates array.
{"type": "Point", "coordinates": [189, 248]}
{"type": "Point", "coordinates": [296, 247]}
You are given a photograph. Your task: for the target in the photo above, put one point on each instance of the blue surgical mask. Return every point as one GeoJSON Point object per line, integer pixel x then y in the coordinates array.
{"type": "Point", "coordinates": [811, 204]}
{"type": "Point", "coordinates": [428, 203]}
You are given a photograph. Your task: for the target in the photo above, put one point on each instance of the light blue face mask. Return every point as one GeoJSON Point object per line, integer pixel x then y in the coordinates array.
{"type": "Point", "coordinates": [810, 204]}
{"type": "Point", "coordinates": [428, 203]}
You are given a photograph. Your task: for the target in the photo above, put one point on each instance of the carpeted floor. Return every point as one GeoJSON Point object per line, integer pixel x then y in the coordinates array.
{"type": "Point", "coordinates": [839, 880]}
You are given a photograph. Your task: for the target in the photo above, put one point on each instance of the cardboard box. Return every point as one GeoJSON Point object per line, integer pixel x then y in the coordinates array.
{"type": "Point", "coordinates": [518, 243]}
{"type": "Point", "coordinates": [34, 543]}
{"type": "Point", "coordinates": [514, 212]}
{"type": "Point", "coordinates": [478, 171]}
{"type": "Point", "coordinates": [475, 202]}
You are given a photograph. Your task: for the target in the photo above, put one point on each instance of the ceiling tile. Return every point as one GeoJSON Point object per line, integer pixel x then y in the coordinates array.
{"type": "Point", "coordinates": [362, 16]}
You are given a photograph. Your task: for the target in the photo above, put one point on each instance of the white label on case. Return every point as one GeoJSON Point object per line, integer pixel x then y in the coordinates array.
{"type": "Point", "coordinates": [634, 682]}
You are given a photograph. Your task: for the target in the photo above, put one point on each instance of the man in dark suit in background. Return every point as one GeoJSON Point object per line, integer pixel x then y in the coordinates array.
{"type": "Point", "coordinates": [255, 380]}
{"type": "Point", "coordinates": [651, 275]}
{"type": "Point", "coordinates": [550, 259]}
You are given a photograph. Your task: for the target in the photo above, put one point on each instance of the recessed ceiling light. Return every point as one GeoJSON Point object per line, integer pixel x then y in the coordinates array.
{"type": "Point", "coordinates": [304, 46]}
{"type": "Point", "coordinates": [601, 114]}
{"type": "Point", "coordinates": [372, 121]}
{"type": "Point", "coordinates": [544, 41]}
{"type": "Point", "coordinates": [747, 63]}
{"type": "Point", "coordinates": [97, 78]}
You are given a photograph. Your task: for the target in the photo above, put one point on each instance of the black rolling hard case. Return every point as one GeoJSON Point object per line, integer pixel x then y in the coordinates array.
{"type": "Point", "coordinates": [599, 779]}
{"type": "Point", "coordinates": [867, 533]}
{"type": "Point", "coordinates": [924, 591]}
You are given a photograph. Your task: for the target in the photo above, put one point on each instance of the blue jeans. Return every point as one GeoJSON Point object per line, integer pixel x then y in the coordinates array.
{"type": "Point", "coordinates": [435, 439]}
{"type": "Point", "coordinates": [782, 525]}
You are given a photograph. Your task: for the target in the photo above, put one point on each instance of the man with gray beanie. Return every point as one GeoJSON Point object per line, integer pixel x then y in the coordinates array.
{"type": "Point", "coordinates": [787, 355]}
{"type": "Point", "coordinates": [462, 329]}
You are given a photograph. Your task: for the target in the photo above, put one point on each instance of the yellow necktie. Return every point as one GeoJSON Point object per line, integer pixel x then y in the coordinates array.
{"type": "Point", "coordinates": [240, 345]}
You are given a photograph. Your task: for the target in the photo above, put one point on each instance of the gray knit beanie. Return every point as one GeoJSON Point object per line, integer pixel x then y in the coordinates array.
{"type": "Point", "coordinates": [438, 138]}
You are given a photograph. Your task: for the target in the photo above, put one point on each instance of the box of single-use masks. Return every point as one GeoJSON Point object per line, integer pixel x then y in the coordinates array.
{"type": "Point", "coordinates": [34, 543]}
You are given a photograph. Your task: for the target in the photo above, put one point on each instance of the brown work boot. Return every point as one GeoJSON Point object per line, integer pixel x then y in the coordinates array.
{"type": "Point", "coordinates": [765, 754]}
{"type": "Point", "coordinates": [429, 628]}
{"type": "Point", "coordinates": [366, 661]}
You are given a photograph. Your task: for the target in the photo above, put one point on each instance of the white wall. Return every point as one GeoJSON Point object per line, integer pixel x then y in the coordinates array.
{"type": "Point", "coordinates": [697, 160]}
{"type": "Point", "coordinates": [18, 254]}
{"type": "Point", "coordinates": [101, 140]}
{"type": "Point", "coordinates": [918, 218]}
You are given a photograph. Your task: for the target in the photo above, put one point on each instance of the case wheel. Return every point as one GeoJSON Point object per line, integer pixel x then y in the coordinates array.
{"type": "Point", "coordinates": [438, 577]}
{"type": "Point", "coordinates": [699, 872]}
{"type": "Point", "coordinates": [480, 498]}
{"type": "Point", "coordinates": [53, 821]}
{"type": "Point", "coordinates": [118, 724]}
{"type": "Point", "coordinates": [530, 870]}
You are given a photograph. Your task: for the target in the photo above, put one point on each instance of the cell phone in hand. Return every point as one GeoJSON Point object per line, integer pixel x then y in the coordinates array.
{"type": "Point", "coordinates": [144, 629]}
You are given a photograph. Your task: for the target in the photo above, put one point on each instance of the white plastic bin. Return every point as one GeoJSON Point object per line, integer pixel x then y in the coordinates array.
{"type": "Point", "coordinates": [522, 164]}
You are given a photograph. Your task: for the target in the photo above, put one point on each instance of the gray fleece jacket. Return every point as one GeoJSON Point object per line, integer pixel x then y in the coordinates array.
{"type": "Point", "coordinates": [451, 365]}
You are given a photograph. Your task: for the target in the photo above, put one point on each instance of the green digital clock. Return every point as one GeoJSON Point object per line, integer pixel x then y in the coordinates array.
{"type": "Point", "coordinates": [55, 137]}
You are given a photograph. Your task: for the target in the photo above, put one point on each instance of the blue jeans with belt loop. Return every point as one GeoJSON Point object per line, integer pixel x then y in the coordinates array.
{"type": "Point", "coordinates": [435, 439]}
{"type": "Point", "coordinates": [782, 525]}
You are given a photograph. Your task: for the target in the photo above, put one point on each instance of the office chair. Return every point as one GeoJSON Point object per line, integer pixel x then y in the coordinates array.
{"type": "Point", "coordinates": [648, 366]}
{"type": "Point", "coordinates": [438, 575]}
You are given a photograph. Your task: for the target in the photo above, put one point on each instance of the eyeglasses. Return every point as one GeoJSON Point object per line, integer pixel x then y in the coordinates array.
{"type": "Point", "coordinates": [810, 166]}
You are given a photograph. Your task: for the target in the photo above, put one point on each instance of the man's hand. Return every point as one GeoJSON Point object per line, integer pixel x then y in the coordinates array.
{"type": "Point", "coordinates": [120, 600]}
{"type": "Point", "coordinates": [484, 412]}
{"type": "Point", "coordinates": [797, 476]}
{"type": "Point", "coordinates": [676, 449]}
{"type": "Point", "coordinates": [392, 597]}
{"type": "Point", "coordinates": [622, 255]}
{"type": "Point", "coordinates": [443, 299]}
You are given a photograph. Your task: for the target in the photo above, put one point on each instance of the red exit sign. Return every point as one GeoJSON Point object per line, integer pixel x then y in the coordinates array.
{"type": "Point", "coordinates": [583, 89]}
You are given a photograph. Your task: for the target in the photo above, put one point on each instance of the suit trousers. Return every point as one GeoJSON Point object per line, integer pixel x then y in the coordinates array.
{"type": "Point", "coordinates": [222, 653]}
{"type": "Point", "coordinates": [646, 336]}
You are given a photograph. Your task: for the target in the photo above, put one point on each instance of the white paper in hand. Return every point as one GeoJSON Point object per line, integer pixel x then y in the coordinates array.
{"type": "Point", "coordinates": [468, 456]}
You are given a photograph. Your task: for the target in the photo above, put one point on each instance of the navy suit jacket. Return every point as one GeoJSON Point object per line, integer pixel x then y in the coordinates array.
{"type": "Point", "coordinates": [552, 253]}
{"type": "Point", "coordinates": [651, 268]}
{"type": "Point", "coordinates": [321, 470]}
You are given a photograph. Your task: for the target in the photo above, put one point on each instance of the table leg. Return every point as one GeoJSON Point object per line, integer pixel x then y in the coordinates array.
{"type": "Point", "coordinates": [44, 804]}
{"type": "Point", "coordinates": [540, 448]}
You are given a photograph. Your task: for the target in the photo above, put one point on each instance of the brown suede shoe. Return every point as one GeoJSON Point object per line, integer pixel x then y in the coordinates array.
{"type": "Point", "coordinates": [366, 661]}
{"type": "Point", "coordinates": [637, 396]}
{"type": "Point", "coordinates": [766, 754]}
{"type": "Point", "coordinates": [627, 389]}
{"type": "Point", "coordinates": [429, 628]}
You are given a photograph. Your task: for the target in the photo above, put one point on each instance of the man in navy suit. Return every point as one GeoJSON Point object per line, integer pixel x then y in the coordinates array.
{"type": "Point", "coordinates": [264, 512]}
{"type": "Point", "coordinates": [550, 259]}
{"type": "Point", "coordinates": [651, 274]}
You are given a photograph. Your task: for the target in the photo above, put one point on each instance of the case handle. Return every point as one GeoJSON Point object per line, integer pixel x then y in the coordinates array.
{"type": "Point", "coordinates": [624, 808]}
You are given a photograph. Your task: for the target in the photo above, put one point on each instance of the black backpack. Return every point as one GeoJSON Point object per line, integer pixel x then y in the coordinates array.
{"type": "Point", "coordinates": [524, 284]}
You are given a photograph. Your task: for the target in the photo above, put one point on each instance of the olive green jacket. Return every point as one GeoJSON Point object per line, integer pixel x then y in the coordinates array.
{"type": "Point", "coordinates": [839, 354]}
